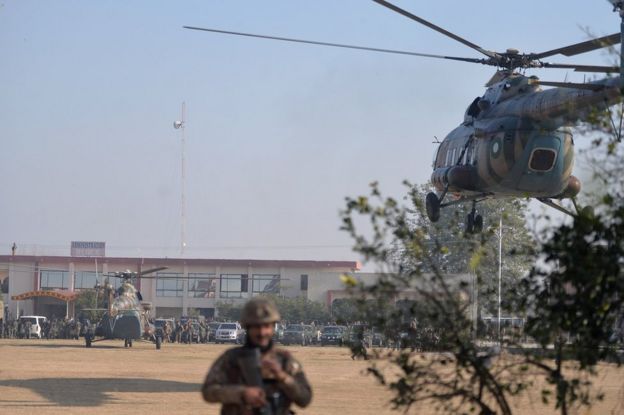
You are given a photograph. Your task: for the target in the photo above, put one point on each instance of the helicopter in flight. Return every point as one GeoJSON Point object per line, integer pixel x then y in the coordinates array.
{"type": "Point", "coordinates": [126, 316]}
{"type": "Point", "coordinates": [515, 140]}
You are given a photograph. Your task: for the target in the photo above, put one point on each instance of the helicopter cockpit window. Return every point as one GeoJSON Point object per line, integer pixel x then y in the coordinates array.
{"type": "Point", "coordinates": [473, 109]}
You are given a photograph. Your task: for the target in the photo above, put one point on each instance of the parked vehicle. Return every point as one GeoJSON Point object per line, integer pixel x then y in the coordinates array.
{"type": "Point", "coordinates": [36, 324]}
{"type": "Point", "coordinates": [332, 335]}
{"type": "Point", "coordinates": [212, 331]}
{"type": "Point", "coordinates": [230, 333]}
{"type": "Point", "coordinates": [297, 334]}
{"type": "Point", "coordinates": [378, 339]}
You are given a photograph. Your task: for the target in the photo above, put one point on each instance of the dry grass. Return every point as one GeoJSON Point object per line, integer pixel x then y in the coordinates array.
{"type": "Point", "coordinates": [63, 377]}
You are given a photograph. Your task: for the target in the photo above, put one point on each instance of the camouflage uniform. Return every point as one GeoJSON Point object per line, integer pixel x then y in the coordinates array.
{"type": "Point", "coordinates": [224, 382]}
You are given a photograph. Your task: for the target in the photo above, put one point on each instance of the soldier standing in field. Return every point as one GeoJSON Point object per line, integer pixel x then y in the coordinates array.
{"type": "Point", "coordinates": [280, 380]}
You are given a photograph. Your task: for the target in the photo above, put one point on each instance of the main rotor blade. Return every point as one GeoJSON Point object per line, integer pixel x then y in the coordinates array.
{"type": "Point", "coordinates": [335, 45]}
{"type": "Point", "coordinates": [430, 25]}
{"type": "Point", "coordinates": [149, 271]}
{"type": "Point", "coordinates": [578, 48]}
{"type": "Point", "coordinates": [590, 87]}
{"type": "Point", "coordinates": [582, 68]}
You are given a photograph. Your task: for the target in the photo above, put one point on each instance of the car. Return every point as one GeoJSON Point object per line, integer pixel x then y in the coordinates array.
{"type": "Point", "coordinates": [332, 335]}
{"type": "Point", "coordinates": [378, 339]}
{"type": "Point", "coordinates": [36, 324]}
{"type": "Point", "coordinates": [297, 334]}
{"type": "Point", "coordinates": [212, 331]}
{"type": "Point", "coordinates": [229, 333]}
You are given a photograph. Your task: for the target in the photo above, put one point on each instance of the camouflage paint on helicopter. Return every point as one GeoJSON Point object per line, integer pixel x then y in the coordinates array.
{"type": "Point", "coordinates": [124, 314]}
{"type": "Point", "coordinates": [514, 140]}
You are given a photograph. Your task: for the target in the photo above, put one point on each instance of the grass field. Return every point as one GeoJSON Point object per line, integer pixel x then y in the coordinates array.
{"type": "Point", "coordinates": [63, 377]}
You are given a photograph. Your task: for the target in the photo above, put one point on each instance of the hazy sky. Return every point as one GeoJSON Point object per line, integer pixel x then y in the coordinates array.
{"type": "Point", "coordinates": [277, 135]}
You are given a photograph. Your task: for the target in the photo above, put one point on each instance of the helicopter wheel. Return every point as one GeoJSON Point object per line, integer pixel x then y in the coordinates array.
{"type": "Point", "coordinates": [158, 342]}
{"type": "Point", "coordinates": [130, 342]}
{"type": "Point", "coordinates": [432, 205]}
{"type": "Point", "coordinates": [125, 342]}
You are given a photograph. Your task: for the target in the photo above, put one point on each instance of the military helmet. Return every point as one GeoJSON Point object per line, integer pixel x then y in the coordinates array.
{"type": "Point", "coordinates": [259, 310]}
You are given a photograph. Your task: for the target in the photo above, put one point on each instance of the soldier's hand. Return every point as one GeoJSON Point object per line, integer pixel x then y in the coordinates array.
{"type": "Point", "coordinates": [254, 397]}
{"type": "Point", "coordinates": [274, 368]}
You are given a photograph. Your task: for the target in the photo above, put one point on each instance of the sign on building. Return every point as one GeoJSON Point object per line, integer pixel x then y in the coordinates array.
{"type": "Point", "coordinates": [89, 249]}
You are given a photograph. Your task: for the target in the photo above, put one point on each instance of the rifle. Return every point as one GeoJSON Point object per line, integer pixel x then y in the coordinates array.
{"type": "Point", "coordinates": [249, 363]}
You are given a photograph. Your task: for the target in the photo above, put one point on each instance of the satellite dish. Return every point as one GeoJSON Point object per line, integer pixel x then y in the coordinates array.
{"type": "Point", "coordinates": [177, 124]}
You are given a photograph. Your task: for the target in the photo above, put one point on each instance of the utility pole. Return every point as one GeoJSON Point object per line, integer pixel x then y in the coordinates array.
{"type": "Point", "coordinates": [181, 125]}
{"type": "Point", "coordinates": [500, 272]}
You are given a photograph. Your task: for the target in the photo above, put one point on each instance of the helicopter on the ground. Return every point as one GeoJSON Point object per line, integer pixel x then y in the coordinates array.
{"type": "Point", "coordinates": [126, 316]}
{"type": "Point", "coordinates": [514, 140]}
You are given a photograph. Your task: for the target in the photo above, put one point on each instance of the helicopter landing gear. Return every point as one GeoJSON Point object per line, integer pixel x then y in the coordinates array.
{"type": "Point", "coordinates": [127, 342]}
{"type": "Point", "coordinates": [158, 342]}
{"type": "Point", "coordinates": [474, 221]}
{"type": "Point", "coordinates": [432, 205]}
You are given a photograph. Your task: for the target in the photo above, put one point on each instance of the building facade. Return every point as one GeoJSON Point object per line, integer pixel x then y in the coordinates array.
{"type": "Point", "coordinates": [181, 284]}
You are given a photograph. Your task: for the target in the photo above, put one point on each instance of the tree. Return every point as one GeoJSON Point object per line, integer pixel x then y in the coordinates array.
{"type": "Point", "coordinates": [573, 296]}
{"type": "Point", "coordinates": [229, 311]}
{"type": "Point", "coordinates": [460, 377]}
{"type": "Point", "coordinates": [296, 309]}
{"type": "Point", "coordinates": [345, 310]}
{"type": "Point", "coordinates": [87, 300]}
{"type": "Point", "coordinates": [517, 247]}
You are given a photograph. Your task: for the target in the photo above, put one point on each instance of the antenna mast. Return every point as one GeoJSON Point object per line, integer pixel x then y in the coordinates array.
{"type": "Point", "coordinates": [181, 125]}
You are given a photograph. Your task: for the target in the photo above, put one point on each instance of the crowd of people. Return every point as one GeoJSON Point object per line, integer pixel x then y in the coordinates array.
{"type": "Point", "coordinates": [185, 331]}
{"type": "Point", "coordinates": [55, 328]}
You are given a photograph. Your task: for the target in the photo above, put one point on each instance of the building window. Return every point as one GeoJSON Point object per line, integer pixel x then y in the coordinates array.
{"type": "Point", "coordinates": [169, 284]}
{"type": "Point", "coordinates": [202, 285]}
{"type": "Point", "coordinates": [53, 280]}
{"type": "Point", "coordinates": [304, 282]}
{"type": "Point", "coordinates": [268, 284]}
{"type": "Point", "coordinates": [232, 285]}
{"type": "Point", "coordinates": [84, 280]}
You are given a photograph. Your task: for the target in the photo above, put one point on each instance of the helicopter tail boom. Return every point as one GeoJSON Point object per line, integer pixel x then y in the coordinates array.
{"type": "Point", "coordinates": [560, 106]}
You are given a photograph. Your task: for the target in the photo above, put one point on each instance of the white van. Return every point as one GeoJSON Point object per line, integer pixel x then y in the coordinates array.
{"type": "Point", "coordinates": [36, 327]}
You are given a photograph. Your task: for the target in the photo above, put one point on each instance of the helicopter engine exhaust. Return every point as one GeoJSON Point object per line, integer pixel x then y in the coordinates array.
{"type": "Point", "coordinates": [456, 177]}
